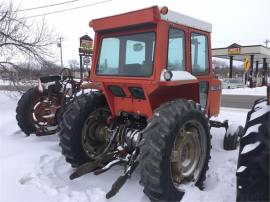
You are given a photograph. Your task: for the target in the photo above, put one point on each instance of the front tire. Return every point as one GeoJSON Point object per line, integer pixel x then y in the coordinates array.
{"type": "Point", "coordinates": [24, 110]}
{"type": "Point", "coordinates": [231, 137]}
{"type": "Point", "coordinates": [160, 174]}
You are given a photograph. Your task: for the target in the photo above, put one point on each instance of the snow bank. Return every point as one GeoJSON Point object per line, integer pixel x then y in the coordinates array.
{"type": "Point", "coordinates": [258, 91]}
{"type": "Point", "coordinates": [21, 83]}
{"type": "Point", "coordinates": [33, 169]}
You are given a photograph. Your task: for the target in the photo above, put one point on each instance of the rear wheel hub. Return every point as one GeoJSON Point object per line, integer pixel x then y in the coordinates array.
{"type": "Point", "coordinates": [94, 132]}
{"type": "Point", "coordinates": [188, 153]}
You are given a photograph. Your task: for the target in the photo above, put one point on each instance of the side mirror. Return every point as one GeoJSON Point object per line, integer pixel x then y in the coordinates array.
{"type": "Point", "coordinates": [137, 47]}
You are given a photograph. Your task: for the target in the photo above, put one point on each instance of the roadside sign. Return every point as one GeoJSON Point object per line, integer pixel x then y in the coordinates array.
{"type": "Point", "coordinates": [86, 45]}
{"type": "Point", "coordinates": [234, 51]}
{"type": "Point", "coordinates": [246, 64]}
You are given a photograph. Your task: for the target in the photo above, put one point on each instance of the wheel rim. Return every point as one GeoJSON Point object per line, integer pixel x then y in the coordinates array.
{"type": "Point", "coordinates": [43, 114]}
{"type": "Point", "coordinates": [94, 132]}
{"type": "Point", "coordinates": [188, 153]}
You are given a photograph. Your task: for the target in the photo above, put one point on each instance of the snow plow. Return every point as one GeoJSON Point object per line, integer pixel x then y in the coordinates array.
{"type": "Point", "coordinates": [150, 103]}
{"type": "Point", "coordinates": [253, 171]}
{"type": "Point", "coordinates": [40, 108]}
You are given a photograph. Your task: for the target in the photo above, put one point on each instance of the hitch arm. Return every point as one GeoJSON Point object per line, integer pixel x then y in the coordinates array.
{"type": "Point", "coordinates": [118, 184]}
{"type": "Point", "coordinates": [108, 166]}
{"type": "Point", "coordinates": [85, 168]}
{"type": "Point", "coordinates": [218, 124]}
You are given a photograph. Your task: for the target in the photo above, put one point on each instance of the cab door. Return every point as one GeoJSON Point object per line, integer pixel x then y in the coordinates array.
{"type": "Point", "coordinates": [201, 67]}
{"type": "Point", "coordinates": [199, 45]}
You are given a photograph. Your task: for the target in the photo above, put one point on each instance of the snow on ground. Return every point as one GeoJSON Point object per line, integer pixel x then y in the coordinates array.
{"type": "Point", "coordinates": [258, 91]}
{"type": "Point", "coordinates": [21, 83]}
{"type": "Point", "coordinates": [33, 169]}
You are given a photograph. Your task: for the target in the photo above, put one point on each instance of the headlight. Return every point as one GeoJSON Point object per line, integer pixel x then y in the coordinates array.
{"type": "Point", "coordinates": [167, 75]}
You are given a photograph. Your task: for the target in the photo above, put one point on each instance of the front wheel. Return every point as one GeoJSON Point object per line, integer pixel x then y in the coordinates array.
{"type": "Point", "coordinates": [175, 150]}
{"type": "Point", "coordinates": [35, 113]}
{"type": "Point", "coordinates": [231, 137]}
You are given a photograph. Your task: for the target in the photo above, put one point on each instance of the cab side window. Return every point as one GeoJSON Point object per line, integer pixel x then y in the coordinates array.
{"type": "Point", "coordinates": [199, 54]}
{"type": "Point", "coordinates": [176, 50]}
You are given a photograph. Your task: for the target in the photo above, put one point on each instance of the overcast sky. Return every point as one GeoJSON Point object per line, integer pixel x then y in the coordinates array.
{"type": "Point", "coordinates": [245, 22]}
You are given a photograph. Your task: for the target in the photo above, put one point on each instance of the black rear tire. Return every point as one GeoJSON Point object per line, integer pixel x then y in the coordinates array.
{"type": "Point", "coordinates": [24, 110]}
{"type": "Point", "coordinates": [72, 124]}
{"type": "Point", "coordinates": [157, 144]}
{"type": "Point", "coordinates": [255, 106]}
{"type": "Point", "coordinates": [253, 163]}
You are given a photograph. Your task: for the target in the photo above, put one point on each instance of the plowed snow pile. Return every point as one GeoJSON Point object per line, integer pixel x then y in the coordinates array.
{"type": "Point", "coordinates": [33, 169]}
{"type": "Point", "coordinates": [258, 91]}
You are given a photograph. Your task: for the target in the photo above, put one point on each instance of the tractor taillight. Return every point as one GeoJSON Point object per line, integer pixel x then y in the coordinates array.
{"type": "Point", "coordinates": [137, 92]}
{"type": "Point", "coordinates": [164, 10]}
{"type": "Point", "coordinates": [117, 91]}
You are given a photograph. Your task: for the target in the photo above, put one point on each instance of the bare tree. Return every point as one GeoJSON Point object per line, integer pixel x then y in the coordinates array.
{"type": "Point", "coordinates": [22, 40]}
{"type": "Point", "coordinates": [73, 64]}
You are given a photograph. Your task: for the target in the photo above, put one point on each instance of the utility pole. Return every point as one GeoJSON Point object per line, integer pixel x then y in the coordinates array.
{"type": "Point", "coordinates": [59, 44]}
{"type": "Point", "coordinates": [266, 42]}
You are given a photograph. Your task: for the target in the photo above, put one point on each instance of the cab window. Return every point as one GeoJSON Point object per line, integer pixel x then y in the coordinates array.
{"type": "Point", "coordinates": [176, 50]}
{"type": "Point", "coordinates": [199, 54]}
{"type": "Point", "coordinates": [127, 55]}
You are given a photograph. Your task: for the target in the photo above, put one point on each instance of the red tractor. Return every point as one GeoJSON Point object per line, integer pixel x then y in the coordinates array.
{"type": "Point", "coordinates": [153, 93]}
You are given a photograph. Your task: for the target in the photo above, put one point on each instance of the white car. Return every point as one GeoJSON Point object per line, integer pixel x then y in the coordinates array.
{"type": "Point", "coordinates": [231, 83]}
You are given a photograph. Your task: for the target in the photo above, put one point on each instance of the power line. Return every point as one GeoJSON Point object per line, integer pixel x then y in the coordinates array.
{"type": "Point", "coordinates": [46, 6]}
{"type": "Point", "coordinates": [69, 9]}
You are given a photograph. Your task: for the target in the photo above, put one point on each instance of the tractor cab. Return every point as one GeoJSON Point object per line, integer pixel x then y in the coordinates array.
{"type": "Point", "coordinates": [147, 57]}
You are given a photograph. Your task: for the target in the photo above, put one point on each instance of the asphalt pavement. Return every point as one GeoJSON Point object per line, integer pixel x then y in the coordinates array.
{"type": "Point", "coordinates": [238, 101]}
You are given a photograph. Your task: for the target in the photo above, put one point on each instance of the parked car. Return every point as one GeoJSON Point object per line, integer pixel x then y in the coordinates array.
{"type": "Point", "coordinates": [231, 83]}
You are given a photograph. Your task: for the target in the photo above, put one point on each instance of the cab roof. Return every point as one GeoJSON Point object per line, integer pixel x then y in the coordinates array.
{"type": "Point", "coordinates": [150, 15]}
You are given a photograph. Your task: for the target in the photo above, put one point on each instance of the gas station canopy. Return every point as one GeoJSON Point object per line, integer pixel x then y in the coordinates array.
{"type": "Point", "coordinates": [239, 53]}
{"type": "Point", "coordinates": [256, 53]}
